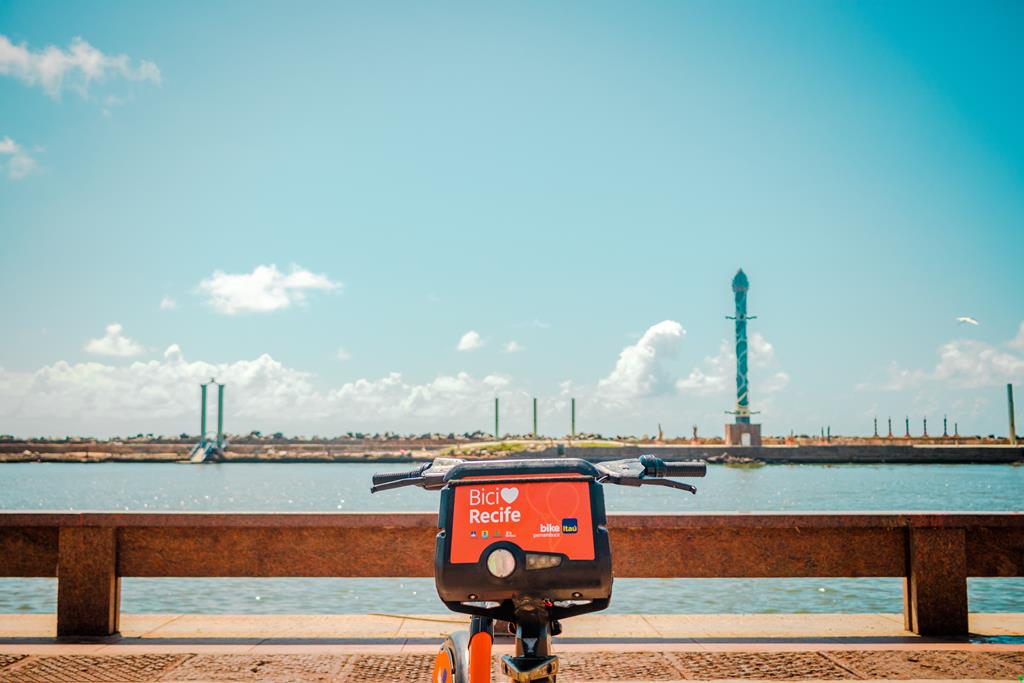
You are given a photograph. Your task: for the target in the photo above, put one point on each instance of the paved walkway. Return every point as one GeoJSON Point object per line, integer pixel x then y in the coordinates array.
{"type": "Point", "coordinates": [594, 648]}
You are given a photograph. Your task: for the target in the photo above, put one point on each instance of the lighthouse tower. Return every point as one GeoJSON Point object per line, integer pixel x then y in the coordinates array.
{"type": "Point", "coordinates": [742, 432]}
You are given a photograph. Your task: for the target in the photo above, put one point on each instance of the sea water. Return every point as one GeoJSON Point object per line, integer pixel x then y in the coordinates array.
{"type": "Point", "coordinates": [314, 487]}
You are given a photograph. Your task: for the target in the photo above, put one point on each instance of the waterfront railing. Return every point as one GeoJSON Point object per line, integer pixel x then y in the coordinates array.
{"type": "Point", "coordinates": [90, 552]}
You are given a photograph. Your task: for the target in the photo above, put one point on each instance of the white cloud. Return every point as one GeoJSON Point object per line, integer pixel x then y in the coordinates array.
{"type": "Point", "coordinates": [54, 69]}
{"type": "Point", "coordinates": [714, 377]}
{"type": "Point", "coordinates": [639, 371]}
{"type": "Point", "coordinates": [496, 382]}
{"type": "Point", "coordinates": [113, 343]}
{"type": "Point", "coordinates": [962, 363]}
{"type": "Point", "coordinates": [261, 394]}
{"type": "Point", "coordinates": [970, 363]}
{"type": "Point", "coordinates": [111, 101]}
{"type": "Point", "coordinates": [442, 399]}
{"type": "Point", "coordinates": [774, 383]}
{"type": "Point", "coordinates": [469, 341]}
{"type": "Point", "coordinates": [343, 354]}
{"type": "Point", "coordinates": [896, 379]}
{"type": "Point", "coordinates": [168, 304]}
{"type": "Point", "coordinates": [15, 160]}
{"type": "Point", "coordinates": [513, 347]}
{"type": "Point", "coordinates": [539, 324]}
{"type": "Point", "coordinates": [263, 290]}
{"type": "Point", "coordinates": [157, 388]}
{"type": "Point", "coordinates": [762, 353]}
{"type": "Point", "coordinates": [718, 374]}
{"type": "Point", "coordinates": [1018, 341]}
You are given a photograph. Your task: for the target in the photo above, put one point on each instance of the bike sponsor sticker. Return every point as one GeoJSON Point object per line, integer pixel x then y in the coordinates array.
{"type": "Point", "coordinates": [549, 517]}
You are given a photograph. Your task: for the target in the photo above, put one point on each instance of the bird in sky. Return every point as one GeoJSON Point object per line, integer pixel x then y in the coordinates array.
{"type": "Point", "coordinates": [966, 320]}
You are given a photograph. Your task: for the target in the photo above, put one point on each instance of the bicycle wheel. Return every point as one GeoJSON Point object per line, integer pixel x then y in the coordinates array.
{"type": "Point", "coordinates": [452, 663]}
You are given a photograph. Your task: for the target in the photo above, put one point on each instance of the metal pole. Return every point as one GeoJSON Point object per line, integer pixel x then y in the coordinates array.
{"type": "Point", "coordinates": [907, 421]}
{"type": "Point", "coordinates": [1009, 405]}
{"type": "Point", "coordinates": [926, 427]}
{"type": "Point", "coordinates": [890, 427]}
{"type": "Point", "coordinates": [220, 415]}
{"type": "Point", "coordinates": [535, 417]}
{"type": "Point", "coordinates": [876, 427]}
{"type": "Point", "coordinates": [202, 416]}
{"type": "Point", "coordinates": [496, 437]}
{"type": "Point", "coordinates": [945, 430]}
{"type": "Point", "coordinates": [573, 432]}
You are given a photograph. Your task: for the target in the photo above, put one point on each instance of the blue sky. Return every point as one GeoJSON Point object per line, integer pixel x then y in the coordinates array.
{"type": "Point", "coordinates": [384, 178]}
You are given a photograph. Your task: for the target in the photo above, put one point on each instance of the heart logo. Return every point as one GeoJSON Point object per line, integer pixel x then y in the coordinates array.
{"type": "Point", "coordinates": [510, 495]}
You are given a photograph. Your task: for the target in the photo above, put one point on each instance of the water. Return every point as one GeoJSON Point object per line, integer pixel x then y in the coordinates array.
{"type": "Point", "coordinates": [344, 487]}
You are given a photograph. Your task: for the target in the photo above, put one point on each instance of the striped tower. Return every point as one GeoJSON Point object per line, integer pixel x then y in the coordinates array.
{"type": "Point", "coordinates": [740, 285]}
{"type": "Point", "coordinates": [742, 433]}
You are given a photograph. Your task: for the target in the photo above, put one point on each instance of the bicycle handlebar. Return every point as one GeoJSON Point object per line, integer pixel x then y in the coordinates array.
{"type": "Point", "coordinates": [388, 477]}
{"type": "Point", "coordinates": [656, 467]}
{"type": "Point", "coordinates": [645, 470]}
{"type": "Point", "coordinates": [685, 469]}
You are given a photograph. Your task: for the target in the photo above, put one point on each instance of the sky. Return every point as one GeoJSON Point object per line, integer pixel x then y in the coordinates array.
{"type": "Point", "coordinates": [381, 216]}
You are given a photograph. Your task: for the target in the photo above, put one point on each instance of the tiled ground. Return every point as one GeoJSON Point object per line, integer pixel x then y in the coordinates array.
{"type": "Point", "coordinates": [390, 648]}
{"type": "Point", "coordinates": [576, 666]}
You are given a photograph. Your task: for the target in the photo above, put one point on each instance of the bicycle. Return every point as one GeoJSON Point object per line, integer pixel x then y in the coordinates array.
{"type": "Point", "coordinates": [525, 542]}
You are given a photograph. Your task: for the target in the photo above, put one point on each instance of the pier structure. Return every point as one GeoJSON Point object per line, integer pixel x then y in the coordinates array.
{"type": "Point", "coordinates": [534, 417]}
{"type": "Point", "coordinates": [205, 450]}
{"type": "Point", "coordinates": [742, 432]}
{"type": "Point", "coordinates": [572, 418]}
{"type": "Point", "coordinates": [1013, 426]}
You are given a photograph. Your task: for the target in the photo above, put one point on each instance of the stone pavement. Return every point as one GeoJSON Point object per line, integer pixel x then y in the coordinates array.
{"type": "Point", "coordinates": [336, 648]}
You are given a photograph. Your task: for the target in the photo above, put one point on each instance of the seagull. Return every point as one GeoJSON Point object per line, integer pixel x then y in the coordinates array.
{"type": "Point", "coordinates": [966, 320]}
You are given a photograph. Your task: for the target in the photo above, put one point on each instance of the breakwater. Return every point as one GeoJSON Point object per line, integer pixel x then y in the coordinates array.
{"type": "Point", "coordinates": [818, 454]}
{"type": "Point", "coordinates": [811, 455]}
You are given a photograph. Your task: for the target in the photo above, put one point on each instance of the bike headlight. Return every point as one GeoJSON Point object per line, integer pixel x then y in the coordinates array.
{"type": "Point", "coordinates": [501, 563]}
{"type": "Point", "coordinates": [535, 561]}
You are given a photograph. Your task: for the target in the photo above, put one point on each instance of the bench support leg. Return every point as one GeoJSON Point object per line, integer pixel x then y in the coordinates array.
{"type": "Point", "coordinates": [935, 589]}
{"type": "Point", "coordinates": [88, 588]}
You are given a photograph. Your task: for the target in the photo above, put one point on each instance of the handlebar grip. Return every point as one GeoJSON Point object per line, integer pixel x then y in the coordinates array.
{"type": "Point", "coordinates": [686, 469]}
{"type": "Point", "coordinates": [386, 477]}
{"type": "Point", "coordinates": [656, 467]}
